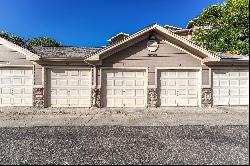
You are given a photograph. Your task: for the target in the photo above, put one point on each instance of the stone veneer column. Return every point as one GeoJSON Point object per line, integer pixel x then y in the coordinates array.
{"type": "Point", "coordinates": [152, 97]}
{"type": "Point", "coordinates": [96, 97]}
{"type": "Point", "coordinates": [38, 96]}
{"type": "Point", "coordinates": [206, 98]}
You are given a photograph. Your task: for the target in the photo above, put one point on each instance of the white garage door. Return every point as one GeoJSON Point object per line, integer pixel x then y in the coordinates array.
{"type": "Point", "coordinates": [69, 88]}
{"type": "Point", "coordinates": [124, 88]}
{"type": "Point", "coordinates": [230, 87]}
{"type": "Point", "coordinates": [16, 86]}
{"type": "Point", "coordinates": [178, 87]}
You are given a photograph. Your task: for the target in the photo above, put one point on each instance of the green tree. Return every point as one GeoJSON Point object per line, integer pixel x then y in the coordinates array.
{"type": "Point", "coordinates": [43, 42]}
{"type": "Point", "coordinates": [224, 27]}
{"type": "Point", "coordinates": [13, 38]}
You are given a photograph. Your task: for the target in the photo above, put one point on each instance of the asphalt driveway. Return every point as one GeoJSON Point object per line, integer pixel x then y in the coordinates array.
{"type": "Point", "coordinates": [125, 145]}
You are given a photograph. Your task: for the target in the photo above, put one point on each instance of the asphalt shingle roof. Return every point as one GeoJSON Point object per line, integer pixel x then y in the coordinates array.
{"type": "Point", "coordinates": [64, 52]}
{"type": "Point", "coordinates": [231, 56]}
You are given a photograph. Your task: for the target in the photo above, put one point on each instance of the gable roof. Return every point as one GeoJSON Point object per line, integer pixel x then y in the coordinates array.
{"type": "Point", "coordinates": [29, 55]}
{"type": "Point", "coordinates": [208, 56]}
{"type": "Point", "coordinates": [64, 52]}
{"type": "Point", "coordinates": [117, 35]}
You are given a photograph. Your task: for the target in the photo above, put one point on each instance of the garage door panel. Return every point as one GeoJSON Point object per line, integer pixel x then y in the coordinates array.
{"type": "Point", "coordinates": [84, 102]}
{"type": "Point", "coordinates": [85, 82]}
{"type": "Point", "coordinates": [84, 92]}
{"type": "Point", "coordinates": [170, 74]}
{"type": "Point", "coordinates": [129, 74]}
{"type": "Point", "coordinates": [6, 81]}
{"type": "Point", "coordinates": [192, 92]}
{"type": "Point", "coordinates": [62, 102]}
{"type": "Point", "coordinates": [118, 74]}
{"type": "Point", "coordinates": [244, 92]}
{"type": "Point", "coordinates": [118, 102]}
{"type": "Point", "coordinates": [163, 82]}
{"type": "Point", "coordinates": [182, 74]}
{"type": "Point", "coordinates": [139, 102]}
{"type": "Point", "coordinates": [181, 82]}
{"type": "Point", "coordinates": [118, 92]}
{"type": "Point", "coordinates": [243, 83]}
{"type": "Point", "coordinates": [69, 88]}
{"type": "Point", "coordinates": [139, 92]}
{"type": "Point", "coordinates": [170, 92]}
{"type": "Point", "coordinates": [234, 74]}
{"type": "Point", "coordinates": [62, 92]}
{"type": "Point", "coordinates": [17, 90]}
{"type": "Point", "coordinates": [6, 72]}
{"type": "Point", "coordinates": [224, 83]}
{"type": "Point", "coordinates": [170, 83]}
{"type": "Point", "coordinates": [182, 92]}
{"type": "Point", "coordinates": [124, 88]}
{"type": "Point", "coordinates": [232, 88]}
{"type": "Point", "coordinates": [192, 75]}
{"type": "Point", "coordinates": [244, 101]}
{"type": "Point", "coordinates": [62, 82]}
{"type": "Point", "coordinates": [223, 92]}
{"type": "Point", "coordinates": [223, 100]}
{"type": "Point", "coordinates": [178, 87]}
{"type": "Point", "coordinates": [192, 82]}
{"type": "Point", "coordinates": [6, 90]}
{"type": "Point", "coordinates": [171, 102]}
{"type": "Point", "coordinates": [6, 101]}
{"type": "Point", "coordinates": [17, 101]}
{"type": "Point", "coordinates": [130, 83]}
{"type": "Point", "coordinates": [74, 92]}
{"type": "Point", "coordinates": [244, 74]}
{"type": "Point", "coordinates": [234, 83]}
{"type": "Point", "coordinates": [192, 102]}
{"type": "Point", "coordinates": [118, 83]}
{"type": "Point", "coordinates": [16, 86]}
{"type": "Point", "coordinates": [139, 83]}
{"type": "Point", "coordinates": [129, 102]}
{"type": "Point", "coordinates": [74, 83]}
{"type": "Point", "coordinates": [234, 101]}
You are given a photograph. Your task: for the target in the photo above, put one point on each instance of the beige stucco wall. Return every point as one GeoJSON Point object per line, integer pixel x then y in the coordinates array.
{"type": "Point", "coordinates": [137, 55]}
{"type": "Point", "coordinates": [11, 57]}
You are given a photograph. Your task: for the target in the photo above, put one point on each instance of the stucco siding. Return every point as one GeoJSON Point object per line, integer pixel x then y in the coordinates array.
{"type": "Point", "coordinates": [137, 55]}
{"type": "Point", "coordinates": [11, 57]}
{"type": "Point", "coordinates": [38, 74]}
{"type": "Point", "coordinates": [205, 77]}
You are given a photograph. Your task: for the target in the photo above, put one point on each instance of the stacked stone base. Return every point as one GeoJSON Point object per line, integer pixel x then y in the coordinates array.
{"type": "Point", "coordinates": [206, 98]}
{"type": "Point", "coordinates": [38, 97]}
{"type": "Point", "coordinates": [152, 97]}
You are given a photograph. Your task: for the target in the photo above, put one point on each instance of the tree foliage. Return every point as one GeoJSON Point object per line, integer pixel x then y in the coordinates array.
{"type": "Point", "coordinates": [28, 43]}
{"type": "Point", "coordinates": [13, 38]}
{"type": "Point", "coordinates": [43, 42]}
{"type": "Point", "coordinates": [224, 27]}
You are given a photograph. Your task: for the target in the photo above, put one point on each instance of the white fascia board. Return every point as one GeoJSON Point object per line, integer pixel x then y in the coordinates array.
{"type": "Point", "coordinates": [187, 42]}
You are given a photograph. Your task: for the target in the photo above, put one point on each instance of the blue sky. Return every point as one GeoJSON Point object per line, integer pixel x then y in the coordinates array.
{"type": "Point", "coordinates": [93, 22]}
